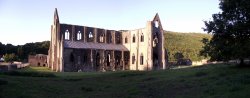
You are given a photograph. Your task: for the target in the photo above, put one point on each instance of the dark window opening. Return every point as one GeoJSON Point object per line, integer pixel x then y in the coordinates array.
{"type": "Point", "coordinates": [38, 64]}
{"type": "Point", "coordinates": [71, 57]}
{"type": "Point", "coordinates": [133, 59]}
{"type": "Point", "coordinates": [134, 38]}
{"type": "Point", "coordinates": [117, 60]}
{"type": "Point", "coordinates": [126, 40]}
{"type": "Point", "coordinates": [79, 60]}
{"type": "Point", "coordinates": [98, 60]}
{"type": "Point", "coordinates": [118, 39]}
{"type": "Point", "coordinates": [108, 59]}
{"type": "Point", "coordinates": [110, 39]}
{"type": "Point", "coordinates": [126, 59]}
{"type": "Point", "coordinates": [85, 58]}
{"type": "Point", "coordinates": [142, 37]}
{"type": "Point", "coordinates": [141, 59]}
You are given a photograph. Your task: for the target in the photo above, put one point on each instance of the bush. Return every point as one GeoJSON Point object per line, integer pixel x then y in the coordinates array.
{"type": "Point", "coordinates": [10, 57]}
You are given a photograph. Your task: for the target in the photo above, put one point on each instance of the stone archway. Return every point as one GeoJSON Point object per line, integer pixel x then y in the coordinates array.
{"type": "Point", "coordinates": [118, 62]}
{"type": "Point", "coordinates": [156, 49]}
{"type": "Point", "coordinates": [98, 63]}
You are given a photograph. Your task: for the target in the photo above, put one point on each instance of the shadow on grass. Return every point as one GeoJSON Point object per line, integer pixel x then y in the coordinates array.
{"type": "Point", "coordinates": [28, 74]}
{"type": "Point", "coordinates": [3, 82]}
{"type": "Point", "coordinates": [87, 89]}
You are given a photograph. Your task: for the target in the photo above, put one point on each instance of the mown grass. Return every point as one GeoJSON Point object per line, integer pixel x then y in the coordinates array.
{"type": "Point", "coordinates": [213, 81]}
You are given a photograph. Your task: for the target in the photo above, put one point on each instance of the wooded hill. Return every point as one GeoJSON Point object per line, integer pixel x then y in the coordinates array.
{"type": "Point", "coordinates": [184, 45]}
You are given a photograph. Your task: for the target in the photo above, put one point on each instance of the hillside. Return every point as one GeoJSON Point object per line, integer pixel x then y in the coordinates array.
{"type": "Point", "coordinates": [211, 81]}
{"type": "Point", "coordinates": [187, 44]}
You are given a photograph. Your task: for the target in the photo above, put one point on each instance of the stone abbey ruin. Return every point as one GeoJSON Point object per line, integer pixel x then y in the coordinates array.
{"type": "Point", "coordinates": [82, 48]}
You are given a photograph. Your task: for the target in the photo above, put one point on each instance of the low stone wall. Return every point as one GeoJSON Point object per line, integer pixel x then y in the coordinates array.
{"type": "Point", "coordinates": [12, 66]}
{"type": "Point", "coordinates": [3, 68]}
{"type": "Point", "coordinates": [204, 62]}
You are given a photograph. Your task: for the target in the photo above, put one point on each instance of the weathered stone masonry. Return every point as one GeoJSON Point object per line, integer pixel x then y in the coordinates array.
{"type": "Point", "coordinates": [81, 48]}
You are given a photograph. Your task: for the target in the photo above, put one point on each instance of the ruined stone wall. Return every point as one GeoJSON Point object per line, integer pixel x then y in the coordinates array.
{"type": "Point", "coordinates": [38, 60]}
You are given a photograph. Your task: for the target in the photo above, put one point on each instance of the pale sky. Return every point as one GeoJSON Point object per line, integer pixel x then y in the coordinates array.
{"type": "Point", "coordinates": [24, 21]}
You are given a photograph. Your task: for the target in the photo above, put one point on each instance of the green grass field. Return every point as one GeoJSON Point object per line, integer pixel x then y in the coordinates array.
{"type": "Point", "coordinates": [213, 81]}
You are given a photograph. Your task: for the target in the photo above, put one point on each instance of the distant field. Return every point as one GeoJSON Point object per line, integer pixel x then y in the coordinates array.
{"type": "Point", "coordinates": [220, 81]}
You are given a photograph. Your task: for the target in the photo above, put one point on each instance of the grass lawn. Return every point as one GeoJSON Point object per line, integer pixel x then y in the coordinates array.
{"type": "Point", "coordinates": [219, 81]}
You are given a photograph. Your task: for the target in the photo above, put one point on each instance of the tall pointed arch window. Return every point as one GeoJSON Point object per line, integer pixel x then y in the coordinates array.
{"type": "Point", "coordinates": [79, 35]}
{"type": "Point", "coordinates": [67, 35]}
{"type": "Point", "coordinates": [134, 38]}
{"type": "Point", "coordinates": [118, 39]}
{"type": "Point", "coordinates": [156, 24]}
{"type": "Point", "coordinates": [141, 59]}
{"type": "Point", "coordinates": [90, 35]}
{"type": "Point", "coordinates": [133, 58]}
{"type": "Point", "coordinates": [126, 39]}
{"type": "Point", "coordinates": [142, 37]}
{"type": "Point", "coordinates": [101, 38]}
{"type": "Point", "coordinates": [155, 41]}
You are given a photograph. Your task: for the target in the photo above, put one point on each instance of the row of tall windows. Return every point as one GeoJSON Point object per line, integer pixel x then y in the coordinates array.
{"type": "Point", "coordinates": [141, 59]}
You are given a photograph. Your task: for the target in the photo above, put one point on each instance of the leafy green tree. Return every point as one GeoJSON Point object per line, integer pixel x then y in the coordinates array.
{"type": "Point", "coordinates": [10, 57]}
{"type": "Point", "coordinates": [23, 51]}
{"type": "Point", "coordinates": [231, 31]}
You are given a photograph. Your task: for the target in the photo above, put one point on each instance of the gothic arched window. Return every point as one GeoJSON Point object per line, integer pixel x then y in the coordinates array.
{"type": "Point", "coordinates": [142, 37]}
{"type": "Point", "coordinates": [90, 35]}
{"type": "Point", "coordinates": [141, 59]}
{"type": "Point", "coordinates": [79, 35]}
{"type": "Point", "coordinates": [66, 36]}
{"type": "Point", "coordinates": [118, 39]}
{"type": "Point", "coordinates": [156, 24]}
{"type": "Point", "coordinates": [133, 58]}
{"type": "Point", "coordinates": [134, 38]}
{"type": "Point", "coordinates": [126, 39]}
{"type": "Point", "coordinates": [101, 39]}
{"type": "Point", "coordinates": [155, 41]}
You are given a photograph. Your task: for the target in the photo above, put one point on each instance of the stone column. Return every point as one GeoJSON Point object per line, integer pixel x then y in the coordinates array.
{"type": "Point", "coordinates": [103, 60]}
{"type": "Point", "coordinates": [105, 36]}
{"type": "Point", "coordinates": [72, 35]}
{"type": "Point", "coordinates": [84, 34]}
{"type": "Point", "coordinates": [91, 58]}
{"type": "Point", "coordinates": [113, 60]}
{"type": "Point", "coordinates": [122, 61]}
{"type": "Point", "coordinates": [95, 35]}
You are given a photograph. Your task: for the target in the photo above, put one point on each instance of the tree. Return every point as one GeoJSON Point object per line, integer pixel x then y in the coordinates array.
{"type": "Point", "coordinates": [10, 57]}
{"type": "Point", "coordinates": [178, 56]}
{"type": "Point", "coordinates": [231, 31]}
{"type": "Point", "coordinates": [188, 44]}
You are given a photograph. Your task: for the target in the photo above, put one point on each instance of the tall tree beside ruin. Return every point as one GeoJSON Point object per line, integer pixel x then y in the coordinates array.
{"type": "Point", "coordinates": [231, 31]}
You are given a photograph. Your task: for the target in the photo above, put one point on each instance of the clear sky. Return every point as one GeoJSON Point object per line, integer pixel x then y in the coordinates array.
{"type": "Point", "coordinates": [23, 21]}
